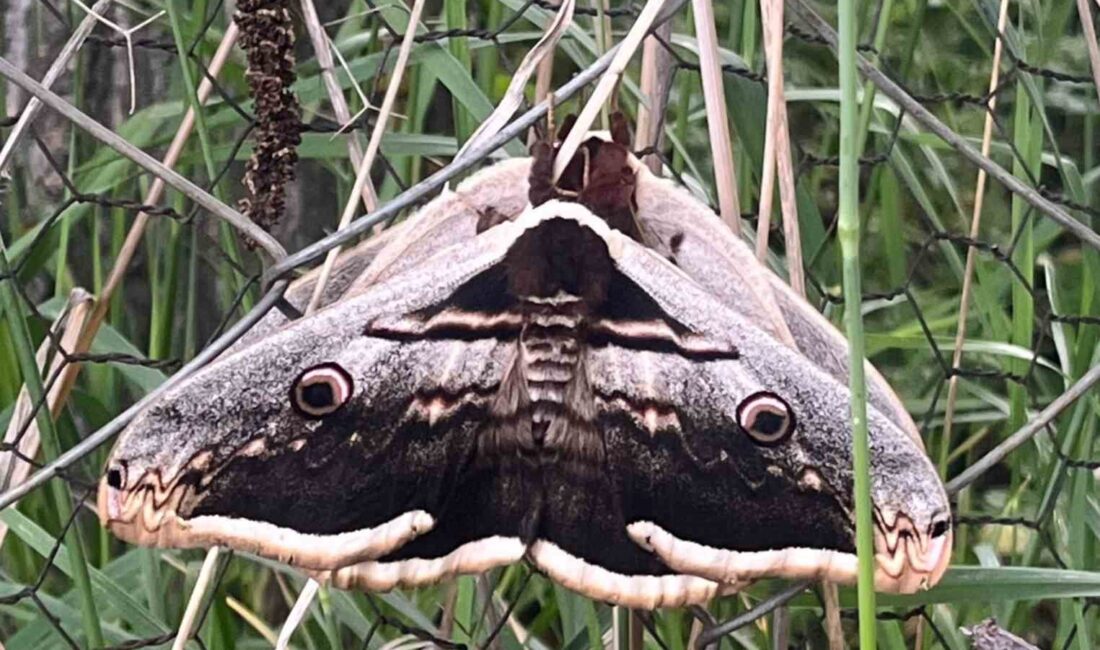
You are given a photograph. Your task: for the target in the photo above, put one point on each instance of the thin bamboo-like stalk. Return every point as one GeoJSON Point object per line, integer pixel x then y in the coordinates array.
{"type": "Point", "coordinates": [833, 631]}
{"type": "Point", "coordinates": [363, 174]}
{"type": "Point", "coordinates": [66, 331]}
{"type": "Point", "coordinates": [971, 252]}
{"type": "Point", "coordinates": [543, 79]}
{"type": "Point", "coordinates": [767, 173]}
{"type": "Point", "coordinates": [848, 233]}
{"type": "Point", "coordinates": [721, 149]}
{"type": "Point", "coordinates": [322, 51]}
{"type": "Point", "coordinates": [24, 352]}
{"type": "Point", "coordinates": [297, 613]}
{"type": "Point", "coordinates": [777, 153]}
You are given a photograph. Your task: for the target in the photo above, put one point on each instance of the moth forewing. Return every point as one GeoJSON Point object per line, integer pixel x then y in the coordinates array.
{"type": "Point", "coordinates": [225, 458]}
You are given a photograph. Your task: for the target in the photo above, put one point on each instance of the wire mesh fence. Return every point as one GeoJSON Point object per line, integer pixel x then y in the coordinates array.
{"type": "Point", "coordinates": [70, 202]}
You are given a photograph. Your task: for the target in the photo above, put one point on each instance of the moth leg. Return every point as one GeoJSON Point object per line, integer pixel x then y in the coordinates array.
{"type": "Point", "coordinates": [742, 567]}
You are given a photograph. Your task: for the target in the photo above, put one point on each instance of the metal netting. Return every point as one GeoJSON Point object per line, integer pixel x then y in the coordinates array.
{"type": "Point", "coordinates": [70, 202]}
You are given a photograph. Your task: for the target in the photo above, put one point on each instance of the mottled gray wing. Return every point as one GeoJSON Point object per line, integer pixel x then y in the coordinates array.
{"type": "Point", "coordinates": [349, 265]}
{"type": "Point", "coordinates": [495, 194]}
{"type": "Point", "coordinates": [677, 226]}
{"type": "Point", "coordinates": [695, 239]}
{"type": "Point", "coordinates": [687, 460]}
{"type": "Point", "coordinates": [327, 442]}
{"type": "Point", "coordinates": [451, 217]}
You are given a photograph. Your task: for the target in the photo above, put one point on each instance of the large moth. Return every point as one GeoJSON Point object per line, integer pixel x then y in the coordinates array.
{"type": "Point", "coordinates": [593, 375]}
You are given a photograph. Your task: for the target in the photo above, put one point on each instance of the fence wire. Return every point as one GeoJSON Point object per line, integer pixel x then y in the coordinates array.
{"type": "Point", "coordinates": [516, 606]}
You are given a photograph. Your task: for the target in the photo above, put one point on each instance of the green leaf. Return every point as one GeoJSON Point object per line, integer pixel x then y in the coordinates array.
{"type": "Point", "coordinates": [111, 595]}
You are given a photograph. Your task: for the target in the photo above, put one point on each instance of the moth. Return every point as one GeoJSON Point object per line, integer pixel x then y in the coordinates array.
{"type": "Point", "coordinates": [592, 375]}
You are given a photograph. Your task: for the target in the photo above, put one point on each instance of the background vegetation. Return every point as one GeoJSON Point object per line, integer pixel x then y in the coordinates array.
{"type": "Point", "coordinates": [1026, 536]}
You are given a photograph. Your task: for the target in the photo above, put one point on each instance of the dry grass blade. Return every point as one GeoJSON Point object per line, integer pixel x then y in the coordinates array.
{"type": "Point", "coordinates": [362, 175]}
{"type": "Point", "coordinates": [513, 97]}
{"type": "Point", "coordinates": [255, 622]}
{"type": "Point", "coordinates": [1089, 29]}
{"type": "Point", "coordinates": [710, 69]}
{"type": "Point", "coordinates": [777, 153]}
{"type": "Point", "coordinates": [194, 603]}
{"type": "Point", "coordinates": [833, 630]}
{"type": "Point", "coordinates": [543, 79]}
{"type": "Point", "coordinates": [975, 226]}
{"type": "Point", "coordinates": [297, 613]}
{"type": "Point", "coordinates": [657, 71]}
{"type": "Point", "coordinates": [606, 84]}
{"type": "Point", "coordinates": [767, 173]}
{"type": "Point", "coordinates": [323, 52]}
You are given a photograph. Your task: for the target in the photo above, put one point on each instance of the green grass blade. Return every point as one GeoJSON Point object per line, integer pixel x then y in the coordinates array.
{"type": "Point", "coordinates": [848, 233]}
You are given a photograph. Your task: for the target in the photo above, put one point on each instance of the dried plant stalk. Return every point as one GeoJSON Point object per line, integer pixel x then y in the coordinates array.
{"type": "Point", "coordinates": [725, 177]}
{"type": "Point", "coordinates": [336, 97]}
{"type": "Point", "coordinates": [975, 226]}
{"type": "Point", "coordinates": [267, 34]}
{"type": "Point", "coordinates": [657, 69]}
{"type": "Point", "coordinates": [606, 85]}
{"type": "Point", "coordinates": [22, 429]}
{"type": "Point", "coordinates": [777, 153]}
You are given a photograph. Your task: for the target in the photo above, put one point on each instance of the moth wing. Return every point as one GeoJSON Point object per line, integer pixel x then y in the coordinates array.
{"type": "Point", "coordinates": [673, 451]}
{"type": "Point", "coordinates": [444, 221]}
{"type": "Point", "coordinates": [690, 234]}
{"type": "Point", "coordinates": [349, 265]}
{"type": "Point", "coordinates": [229, 458]}
{"type": "Point", "coordinates": [684, 230]}
{"type": "Point", "coordinates": [823, 344]}
{"type": "Point", "coordinates": [682, 461]}
{"type": "Point", "coordinates": [497, 193]}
